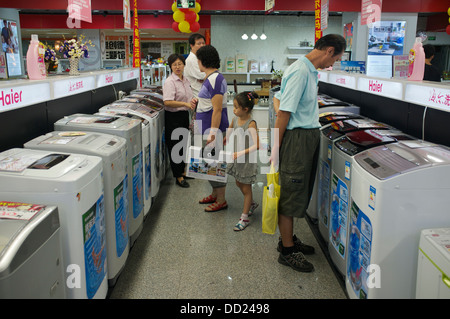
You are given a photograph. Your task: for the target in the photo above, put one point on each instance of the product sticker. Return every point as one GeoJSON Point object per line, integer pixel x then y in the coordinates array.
{"type": "Point", "coordinates": [59, 140]}
{"type": "Point", "coordinates": [138, 194]}
{"type": "Point", "coordinates": [339, 215]}
{"type": "Point", "coordinates": [94, 246]}
{"type": "Point", "coordinates": [360, 246]}
{"type": "Point", "coordinates": [323, 193]}
{"type": "Point", "coordinates": [121, 215]}
{"type": "Point", "coordinates": [21, 211]}
{"type": "Point", "coordinates": [347, 170]}
{"type": "Point", "coordinates": [18, 163]}
{"type": "Point", "coordinates": [148, 174]}
{"type": "Point", "coordinates": [329, 151]}
{"type": "Point", "coordinates": [372, 197]}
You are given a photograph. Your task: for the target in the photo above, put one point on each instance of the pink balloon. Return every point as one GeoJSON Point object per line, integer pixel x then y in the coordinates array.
{"type": "Point", "coordinates": [175, 26]}
{"type": "Point", "coordinates": [195, 26]}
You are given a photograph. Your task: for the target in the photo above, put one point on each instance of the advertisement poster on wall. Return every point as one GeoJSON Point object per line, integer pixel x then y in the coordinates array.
{"type": "Point", "coordinates": [386, 38]}
{"type": "Point", "coordinates": [10, 47]}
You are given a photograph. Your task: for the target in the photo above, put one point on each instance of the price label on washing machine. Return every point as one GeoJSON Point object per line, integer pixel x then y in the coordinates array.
{"type": "Point", "coordinates": [347, 170]}
{"type": "Point", "coordinates": [372, 197]}
{"type": "Point", "coordinates": [22, 211]}
{"type": "Point", "coordinates": [329, 151]}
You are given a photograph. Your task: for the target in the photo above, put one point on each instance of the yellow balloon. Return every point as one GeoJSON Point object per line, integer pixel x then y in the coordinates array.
{"type": "Point", "coordinates": [197, 17]}
{"type": "Point", "coordinates": [448, 11]}
{"type": "Point", "coordinates": [198, 7]}
{"type": "Point", "coordinates": [184, 26]}
{"type": "Point", "coordinates": [174, 6]}
{"type": "Point", "coordinates": [178, 16]}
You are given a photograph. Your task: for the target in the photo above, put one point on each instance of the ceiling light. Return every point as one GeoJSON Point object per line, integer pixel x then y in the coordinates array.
{"type": "Point", "coordinates": [254, 36]}
{"type": "Point", "coordinates": [263, 36]}
{"type": "Point", "coordinates": [244, 36]}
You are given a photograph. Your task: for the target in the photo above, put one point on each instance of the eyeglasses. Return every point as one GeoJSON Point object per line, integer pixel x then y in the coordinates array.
{"type": "Point", "coordinates": [176, 65]}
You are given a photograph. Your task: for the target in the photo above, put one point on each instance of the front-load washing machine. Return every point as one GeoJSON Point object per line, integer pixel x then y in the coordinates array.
{"type": "Point", "coordinates": [341, 184]}
{"type": "Point", "coordinates": [398, 190]}
{"type": "Point", "coordinates": [331, 104]}
{"type": "Point", "coordinates": [130, 129]}
{"type": "Point", "coordinates": [146, 149]}
{"type": "Point", "coordinates": [330, 133]}
{"type": "Point", "coordinates": [112, 150]}
{"type": "Point", "coordinates": [433, 265]}
{"type": "Point", "coordinates": [150, 142]}
{"type": "Point", "coordinates": [73, 183]}
{"type": "Point", "coordinates": [325, 119]}
{"type": "Point", "coordinates": [31, 262]}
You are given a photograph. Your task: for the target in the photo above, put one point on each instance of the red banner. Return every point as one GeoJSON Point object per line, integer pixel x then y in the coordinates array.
{"type": "Point", "coordinates": [136, 40]}
{"type": "Point", "coordinates": [317, 20]}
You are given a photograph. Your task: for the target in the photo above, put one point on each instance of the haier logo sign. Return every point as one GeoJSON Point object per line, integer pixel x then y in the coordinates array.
{"type": "Point", "coordinates": [374, 86]}
{"type": "Point", "coordinates": [16, 97]}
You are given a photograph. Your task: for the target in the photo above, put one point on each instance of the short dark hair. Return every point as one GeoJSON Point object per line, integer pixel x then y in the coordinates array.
{"type": "Point", "coordinates": [194, 37]}
{"type": "Point", "coordinates": [332, 40]}
{"type": "Point", "coordinates": [429, 50]}
{"type": "Point", "coordinates": [247, 99]}
{"type": "Point", "coordinates": [209, 57]}
{"type": "Point", "coordinates": [173, 57]}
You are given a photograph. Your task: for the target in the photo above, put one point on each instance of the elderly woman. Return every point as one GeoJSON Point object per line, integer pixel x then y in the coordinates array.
{"type": "Point", "coordinates": [212, 114]}
{"type": "Point", "coordinates": [177, 95]}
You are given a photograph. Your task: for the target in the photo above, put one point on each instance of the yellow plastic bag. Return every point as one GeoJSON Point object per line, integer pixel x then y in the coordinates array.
{"type": "Point", "coordinates": [271, 195]}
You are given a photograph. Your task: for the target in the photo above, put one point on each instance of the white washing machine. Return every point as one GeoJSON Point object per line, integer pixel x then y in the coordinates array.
{"type": "Point", "coordinates": [73, 183]}
{"type": "Point", "coordinates": [433, 265]}
{"type": "Point", "coordinates": [325, 120]}
{"type": "Point", "coordinates": [152, 138]}
{"type": "Point", "coordinates": [330, 133]}
{"type": "Point", "coordinates": [112, 150]}
{"type": "Point", "coordinates": [341, 184]}
{"type": "Point", "coordinates": [130, 129]}
{"type": "Point", "coordinates": [31, 262]}
{"type": "Point", "coordinates": [146, 148]}
{"type": "Point", "coordinates": [331, 104]}
{"type": "Point", "coordinates": [398, 190]}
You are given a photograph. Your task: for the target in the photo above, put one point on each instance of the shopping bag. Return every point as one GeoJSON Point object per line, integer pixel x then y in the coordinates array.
{"type": "Point", "coordinates": [271, 196]}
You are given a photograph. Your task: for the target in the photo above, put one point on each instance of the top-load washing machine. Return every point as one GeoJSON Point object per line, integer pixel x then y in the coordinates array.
{"type": "Point", "coordinates": [325, 120]}
{"type": "Point", "coordinates": [398, 190]}
{"type": "Point", "coordinates": [31, 262]}
{"type": "Point", "coordinates": [331, 104]}
{"type": "Point", "coordinates": [330, 133]}
{"type": "Point", "coordinates": [150, 141]}
{"type": "Point", "coordinates": [112, 150]}
{"type": "Point", "coordinates": [130, 129]}
{"type": "Point", "coordinates": [73, 183]}
{"type": "Point", "coordinates": [345, 150]}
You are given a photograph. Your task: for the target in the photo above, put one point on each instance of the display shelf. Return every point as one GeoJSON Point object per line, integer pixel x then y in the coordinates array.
{"type": "Point", "coordinates": [299, 48]}
{"type": "Point", "coordinates": [20, 93]}
{"type": "Point", "coordinates": [247, 74]}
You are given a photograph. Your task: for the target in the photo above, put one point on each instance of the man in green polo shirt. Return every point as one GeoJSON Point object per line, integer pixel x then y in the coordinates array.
{"type": "Point", "coordinates": [298, 144]}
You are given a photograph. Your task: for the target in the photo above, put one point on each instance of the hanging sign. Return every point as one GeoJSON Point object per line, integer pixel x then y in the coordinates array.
{"type": "Point", "coordinates": [269, 5]}
{"type": "Point", "coordinates": [317, 20]}
{"type": "Point", "coordinates": [186, 4]}
{"type": "Point", "coordinates": [126, 15]}
{"type": "Point", "coordinates": [80, 10]}
{"type": "Point", "coordinates": [370, 11]}
{"type": "Point", "coordinates": [324, 15]}
{"type": "Point", "coordinates": [136, 40]}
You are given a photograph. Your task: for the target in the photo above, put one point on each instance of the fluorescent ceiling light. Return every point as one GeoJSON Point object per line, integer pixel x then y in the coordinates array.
{"type": "Point", "coordinates": [254, 36]}
{"type": "Point", "coordinates": [244, 36]}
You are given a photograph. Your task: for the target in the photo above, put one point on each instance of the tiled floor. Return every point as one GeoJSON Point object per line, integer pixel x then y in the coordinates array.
{"type": "Point", "coordinates": [184, 252]}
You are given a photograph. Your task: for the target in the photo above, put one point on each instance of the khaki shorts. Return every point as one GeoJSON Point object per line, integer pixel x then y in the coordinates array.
{"type": "Point", "coordinates": [299, 155]}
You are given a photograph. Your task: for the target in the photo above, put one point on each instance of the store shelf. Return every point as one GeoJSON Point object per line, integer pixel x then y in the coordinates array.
{"type": "Point", "coordinates": [20, 93]}
{"type": "Point", "coordinates": [247, 74]}
{"type": "Point", "coordinates": [299, 48]}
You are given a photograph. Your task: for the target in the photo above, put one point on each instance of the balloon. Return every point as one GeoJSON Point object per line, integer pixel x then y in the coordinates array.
{"type": "Point", "coordinates": [190, 16]}
{"type": "Point", "coordinates": [174, 6]}
{"type": "Point", "coordinates": [198, 7]}
{"type": "Point", "coordinates": [184, 26]}
{"type": "Point", "coordinates": [184, 10]}
{"type": "Point", "coordinates": [175, 26]}
{"type": "Point", "coordinates": [200, 1]}
{"type": "Point", "coordinates": [448, 11]}
{"type": "Point", "coordinates": [195, 26]}
{"type": "Point", "coordinates": [197, 17]}
{"type": "Point", "coordinates": [178, 16]}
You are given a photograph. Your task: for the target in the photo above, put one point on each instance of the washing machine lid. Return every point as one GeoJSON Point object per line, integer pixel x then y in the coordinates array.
{"type": "Point", "coordinates": [325, 100]}
{"type": "Point", "coordinates": [329, 117]}
{"type": "Point", "coordinates": [358, 141]}
{"type": "Point", "coordinates": [350, 125]}
{"type": "Point", "coordinates": [130, 110]}
{"type": "Point", "coordinates": [390, 160]}
{"type": "Point", "coordinates": [23, 228]}
{"type": "Point", "coordinates": [99, 121]}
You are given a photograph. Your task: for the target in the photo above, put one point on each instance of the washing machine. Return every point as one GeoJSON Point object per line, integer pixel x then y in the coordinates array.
{"type": "Point", "coordinates": [151, 141]}
{"type": "Point", "coordinates": [331, 104]}
{"type": "Point", "coordinates": [31, 262]}
{"type": "Point", "coordinates": [130, 129]}
{"type": "Point", "coordinates": [73, 183]}
{"type": "Point", "coordinates": [433, 265]}
{"type": "Point", "coordinates": [331, 132]}
{"type": "Point", "coordinates": [398, 190]}
{"type": "Point", "coordinates": [325, 120]}
{"type": "Point", "coordinates": [112, 150]}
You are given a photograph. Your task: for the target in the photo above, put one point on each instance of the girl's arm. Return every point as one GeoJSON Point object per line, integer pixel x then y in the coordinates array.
{"type": "Point", "coordinates": [252, 129]}
{"type": "Point", "coordinates": [229, 131]}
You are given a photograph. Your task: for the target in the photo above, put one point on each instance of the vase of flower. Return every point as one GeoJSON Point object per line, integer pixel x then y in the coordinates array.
{"type": "Point", "coordinates": [74, 66]}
